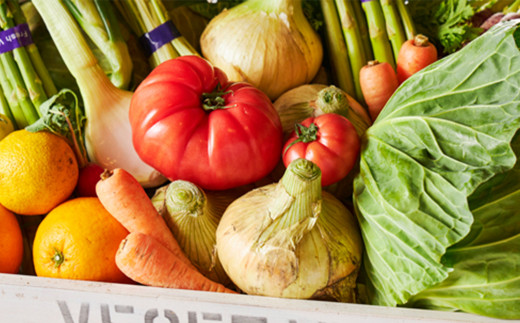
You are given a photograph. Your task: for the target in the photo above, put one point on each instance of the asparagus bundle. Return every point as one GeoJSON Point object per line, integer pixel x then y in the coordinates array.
{"type": "Point", "coordinates": [368, 30]}
{"type": "Point", "coordinates": [24, 80]}
{"type": "Point", "coordinates": [150, 21]}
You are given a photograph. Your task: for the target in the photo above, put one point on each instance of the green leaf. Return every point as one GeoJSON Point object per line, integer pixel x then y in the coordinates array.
{"type": "Point", "coordinates": [443, 133]}
{"type": "Point", "coordinates": [486, 275]}
{"type": "Point", "coordinates": [62, 116]}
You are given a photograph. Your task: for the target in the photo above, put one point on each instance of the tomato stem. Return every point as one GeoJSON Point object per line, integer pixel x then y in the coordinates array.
{"type": "Point", "coordinates": [214, 100]}
{"type": "Point", "coordinates": [304, 134]}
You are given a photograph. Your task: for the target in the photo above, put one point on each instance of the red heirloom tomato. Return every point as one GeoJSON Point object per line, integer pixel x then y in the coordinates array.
{"type": "Point", "coordinates": [330, 141]}
{"type": "Point", "coordinates": [189, 122]}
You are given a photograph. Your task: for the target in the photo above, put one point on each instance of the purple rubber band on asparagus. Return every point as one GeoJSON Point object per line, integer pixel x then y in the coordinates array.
{"type": "Point", "coordinates": [12, 38]}
{"type": "Point", "coordinates": [158, 37]}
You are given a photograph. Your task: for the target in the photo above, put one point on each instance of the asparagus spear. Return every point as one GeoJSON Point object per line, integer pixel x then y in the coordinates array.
{"type": "Point", "coordinates": [377, 30]}
{"type": "Point", "coordinates": [394, 26]}
{"type": "Point", "coordinates": [363, 29]}
{"type": "Point", "coordinates": [32, 50]}
{"type": "Point", "coordinates": [97, 19]}
{"type": "Point", "coordinates": [408, 25]}
{"type": "Point", "coordinates": [18, 117]}
{"type": "Point", "coordinates": [4, 107]}
{"type": "Point", "coordinates": [21, 73]}
{"type": "Point", "coordinates": [353, 40]}
{"type": "Point", "coordinates": [337, 49]}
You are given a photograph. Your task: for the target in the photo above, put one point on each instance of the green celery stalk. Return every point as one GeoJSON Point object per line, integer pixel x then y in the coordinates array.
{"type": "Point", "coordinates": [98, 20]}
{"type": "Point", "coordinates": [353, 40]}
{"type": "Point", "coordinates": [394, 27]}
{"type": "Point", "coordinates": [377, 30]}
{"type": "Point", "coordinates": [337, 48]}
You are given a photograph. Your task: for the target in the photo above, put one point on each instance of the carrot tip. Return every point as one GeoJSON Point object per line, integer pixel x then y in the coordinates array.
{"type": "Point", "coordinates": [106, 174]}
{"type": "Point", "coordinates": [373, 63]}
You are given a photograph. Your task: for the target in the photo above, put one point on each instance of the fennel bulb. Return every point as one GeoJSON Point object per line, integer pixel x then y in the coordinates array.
{"type": "Point", "coordinates": [290, 239]}
{"type": "Point", "coordinates": [108, 135]}
{"type": "Point", "coordinates": [268, 43]}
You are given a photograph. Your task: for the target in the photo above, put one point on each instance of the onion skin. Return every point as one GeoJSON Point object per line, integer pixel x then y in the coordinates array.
{"type": "Point", "coordinates": [267, 43]}
{"type": "Point", "coordinates": [312, 100]}
{"type": "Point", "coordinates": [291, 240]}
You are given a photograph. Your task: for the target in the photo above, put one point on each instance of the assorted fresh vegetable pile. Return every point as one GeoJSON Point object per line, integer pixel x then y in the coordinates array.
{"type": "Point", "coordinates": [350, 151]}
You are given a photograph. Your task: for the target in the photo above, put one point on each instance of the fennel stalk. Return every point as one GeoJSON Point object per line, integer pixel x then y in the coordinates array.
{"type": "Point", "coordinates": [108, 135]}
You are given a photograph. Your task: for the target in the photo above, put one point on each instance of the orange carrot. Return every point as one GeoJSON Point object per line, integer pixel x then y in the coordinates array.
{"type": "Point", "coordinates": [378, 82]}
{"type": "Point", "coordinates": [414, 55]}
{"type": "Point", "coordinates": [146, 261]}
{"type": "Point", "coordinates": [127, 201]}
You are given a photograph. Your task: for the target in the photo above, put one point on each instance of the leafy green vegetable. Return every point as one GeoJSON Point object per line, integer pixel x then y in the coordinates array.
{"type": "Point", "coordinates": [447, 23]}
{"type": "Point", "coordinates": [485, 278]}
{"type": "Point", "coordinates": [443, 133]}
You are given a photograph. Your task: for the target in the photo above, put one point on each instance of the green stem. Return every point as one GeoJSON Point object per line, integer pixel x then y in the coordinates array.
{"type": "Point", "coordinates": [332, 100]}
{"type": "Point", "coordinates": [146, 15]}
{"type": "Point", "coordinates": [304, 134]}
{"type": "Point", "coordinates": [377, 30]}
{"type": "Point", "coordinates": [180, 44]}
{"type": "Point", "coordinates": [183, 198]}
{"type": "Point", "coordinates": [351, 33]}
{"type": "Point", "coordinates": [337, 48]}
{"type": "Point", "coordinates": [296, 207]}
{"type": "Point", "coordinates": [214, 100]}
{"type": "Point", "coordinates": [21, 72]}
{"type": "Point", "coordinates": [193, 217]}
{"type": "Point", "coordinates": [18, 91]}
{"type": "Point", "coordinates": [512, 8]}
{"type": "Point", "coordinates": [18, 117]}
{"type": "Point", "coordinates": [97, 19]}
{"type": "Point", "coordinates": [37, 61]}
{"type": "Point", "coordinates": [4, 107]}
{"type": "Point", "coordinates": [406, 19]}
{"type": "Point", "coordinates": [58, 258]}
{"type": "Point", "coordinates": [394, 26]}
{"type": "Point", "coordinates": [363, 29]}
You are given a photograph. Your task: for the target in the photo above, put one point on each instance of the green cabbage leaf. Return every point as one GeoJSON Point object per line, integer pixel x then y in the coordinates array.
{"type": "Point", "coordinates": [442, 137]}
{"type": "Point", "coordinates": [486, 263]}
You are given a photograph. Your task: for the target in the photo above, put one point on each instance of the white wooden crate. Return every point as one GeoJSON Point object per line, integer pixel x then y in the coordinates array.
{"type": "Point", "coordinates": [46, 300]}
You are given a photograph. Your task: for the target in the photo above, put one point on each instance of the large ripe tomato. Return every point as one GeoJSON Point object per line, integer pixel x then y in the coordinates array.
{"type": "Point", "coordinates": [190, 123]}
{"type": "Point", "coordinates": [330, 141]}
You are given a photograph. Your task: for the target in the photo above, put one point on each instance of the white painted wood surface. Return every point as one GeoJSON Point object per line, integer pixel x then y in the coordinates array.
{"type": "Point", "coordinates": [30, 299]}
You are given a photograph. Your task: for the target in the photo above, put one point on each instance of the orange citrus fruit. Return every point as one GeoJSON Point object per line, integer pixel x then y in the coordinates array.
{"type": "Point", "coordinates": [38, 171]}
{"type": "Point", "coordinates": [11, 242]}
{"type": "Point", "coordinates": [78, 240]}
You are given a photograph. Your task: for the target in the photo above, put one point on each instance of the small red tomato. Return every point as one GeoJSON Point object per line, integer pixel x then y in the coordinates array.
{"type": "Point", "coordinates": [330, 141]}
{"type": "Point", "coordinates": [88, 177]}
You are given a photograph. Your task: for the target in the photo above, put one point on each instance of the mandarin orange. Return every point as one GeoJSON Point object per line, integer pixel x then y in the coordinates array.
{"type": "Point", "coordinates": [78, 240]}
{"type": "Point", "coordinates": [11, 242]}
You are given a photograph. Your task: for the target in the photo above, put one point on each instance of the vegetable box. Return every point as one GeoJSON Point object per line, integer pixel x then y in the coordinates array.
{"type": "Point", "coordinates": [34, 299]}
